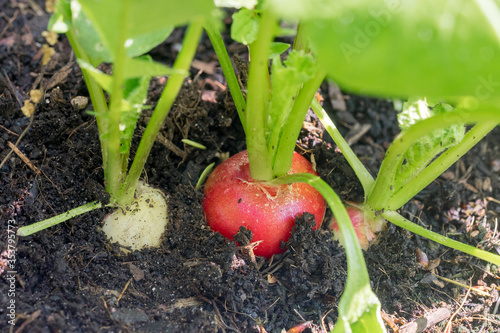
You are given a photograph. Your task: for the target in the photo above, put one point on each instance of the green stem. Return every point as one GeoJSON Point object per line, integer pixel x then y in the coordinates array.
{"type": "Point", "coordinates": [358, 305]}
{"type": "Point", "coordinates": [400, 221]}
{"type": "Point", "coordinates": [382, 191]}
{"type": "Point", "coordinates": [356, 266]}
{"type": "Point", "coordinates": [363, 174]}
{"type": "Point", "coordinates": [405, 175]}
{"type": "Point", "coordinates": [227, 67]}
{"type": "Point", "coordinates": [440, 165]}
{"type": "Point", "coordinates": [39, 226]}
{"type": "Point", "coordinates": [115, 174]}
{"type": "Point", "coordinates": [257, 98]}
{"type": "Point", "coordinates": [291, 130]}
{"type": "Point", "coordinates": [174, 84]}
{"type": "Point", "coordinates": [96, 96]}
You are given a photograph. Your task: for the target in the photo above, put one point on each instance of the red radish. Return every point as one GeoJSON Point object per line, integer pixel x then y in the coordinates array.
{"type": "Point", "coordinates": [233, 199]}
{"type": "Point", "coordinates": [366, 232]}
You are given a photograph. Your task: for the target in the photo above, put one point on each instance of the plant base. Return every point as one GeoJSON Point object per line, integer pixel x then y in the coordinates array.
{"type": "Point", "coordinates": [140, 224]}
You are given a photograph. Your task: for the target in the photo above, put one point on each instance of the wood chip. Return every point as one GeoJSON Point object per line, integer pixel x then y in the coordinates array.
{"type": "Point", "coordinates": [487, 185]}
{"type": "Point", "coordinates": [206, 67]}
{"type": "Point", "coordinates": [180, 304]}
{"type": "Point", "coordinates": [430, 319]}
{"type": "Point", "coordinates": [137, 273]}
{"type": "Point", "coordinates": [23, 158]}
{"type": "Point", "coordinates": [448, 175]}
{"type": "Point", "coordinates": [59, 76]}
{"type": "Point", "coordinates": [357, 133]}
{"type": "Point", "coordinates": [470, 187]}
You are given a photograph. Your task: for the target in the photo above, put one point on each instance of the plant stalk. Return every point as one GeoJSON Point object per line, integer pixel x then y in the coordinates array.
{"type": "Point", "coordinates": [257, 99]}
{"type": "Point", "coordinates": [39, 226]}
{"type": "Point", "coordinates": [168, 96]}
{"type": "Point", "coordinates": [440, 165]}
{"type": "Point", "coordinates": [400, 221]}
{"type": "Point", "coordinates": [382, 190]}
{"type": "Point", "coordinates": [358, 301]}
{"type": "Point", "coordinates": [362, 173]}
{"type": "Point", "coordinates": [96, 96]}
{"type": "Point", "coordinates": [115, 173]}
{"type": "Point", "coordinates": [291, 130]}
{"type": "Point", "coordinates": [355, 259]}
{"type": "Point", "coordinates": [227, 67]}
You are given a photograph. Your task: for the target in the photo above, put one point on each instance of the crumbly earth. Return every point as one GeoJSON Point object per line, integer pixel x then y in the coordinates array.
{"type": "Point", "coordinates": [70, 279]}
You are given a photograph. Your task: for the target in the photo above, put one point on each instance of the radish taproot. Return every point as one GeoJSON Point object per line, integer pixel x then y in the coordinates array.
{"type": "Point", "coordinates": [233, 199]}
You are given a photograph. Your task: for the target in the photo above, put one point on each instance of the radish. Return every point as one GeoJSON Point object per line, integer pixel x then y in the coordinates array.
{"type": "Point", "coordinates": [233, 199]}
{"type": "Point", "coordinates": [366, 231]}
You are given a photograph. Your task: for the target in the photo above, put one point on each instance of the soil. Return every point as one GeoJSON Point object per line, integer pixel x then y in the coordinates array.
{"type": "Point", "coordinates": [69, 278]}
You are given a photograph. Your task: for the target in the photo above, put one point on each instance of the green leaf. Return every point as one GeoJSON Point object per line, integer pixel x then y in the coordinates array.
{"type": "Point", "coordinates": [277, 48]}
{"type": "Point", "coordinates": [97, 47]}
{"type": "Point", "coordinates": [144, 43]}
{"type": "Point", "coordinates": [104, 80]}
{"type": "Point", "coordinates": [135, 94]}
{"type": "Point", "coordinates": [236, 3]}
{"type": "Point", "coordinates": [359, 311]}
{"type": "Point", "coordinates": [422, 152]}
{"type": "Point", "coordinates": [286, 81]}
{"type": "Point", "coordinates": [410, 48]}
{"type": "Point", "coordinates": [149, 20]}
{"type": "Point", "coordinates": [145, 66]}
{"type": "Point", "coordinates": [303, 9]}
{"type": "Point", "coordinates": [245, 26]}
{"type": "Point", "coordinates": [60, 21]}
{"type": "Point", "coordinates": [88, 38]}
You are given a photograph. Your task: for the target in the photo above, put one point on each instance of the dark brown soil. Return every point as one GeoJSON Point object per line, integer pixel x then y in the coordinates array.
{"type": "Point", "coordinates": [70, 279]}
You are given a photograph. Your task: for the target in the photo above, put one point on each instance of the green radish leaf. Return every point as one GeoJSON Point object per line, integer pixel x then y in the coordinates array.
{"type": "Point", "coordinates": [145, 66]}
{"type": "Point", "coordinates": [245, 26]}
{"type": "Point", "coordinates": [144, 43]}
{"type": "Point", "coordinates": [60, 21]}
{"type": "Point", "coordinates": [135, 95]}
{"type": "Point", "coordinates": [404, 48]}
{"type": "Point", "coordinates": [286, 81]}
{"type": "Point", "coordinates": [169, 13]}
{"type": "Point", "coordinates": [294, 10]}
{"type": "Point", "coordinates": [410, 48]}
{"type": "Point", "coordinates": [236, 3]}
{"type": "Point", "coordinates": [277, 48]}
{"type": "Point", "coordinates": [359, 311]}
{"type": "Point", "coordinates": [136, 19]}
{"type": "Point", "coordinates": [422, 152]}
{"type": "Point", "coordinates": [104, 80]}
{"type": "Point", "coordinates": [88, 38]}
{"type": "Point", "coordinates": [99, 51]}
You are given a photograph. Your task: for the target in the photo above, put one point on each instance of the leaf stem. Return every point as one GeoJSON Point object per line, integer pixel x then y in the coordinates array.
{"type": "Point", "coordinates": [39, 226]}
{"type": "Point", "coordinates": [440, 165]}
{"type": "Point", "coordinates": [291, 130]}
{"type": "Point", "coordinates": [358, 300]}
{"type": "Point", "coordinates": [115, 173]}
{"type": "Point", "coordinates": [355, 259]}
{"type": "Point", "coordinates": [257, 98]}
{"type": "Point", "coordinates": [362, 173]}
{"type": "Point", "coordinates": [227, 67]}
{"type": "Point", "coordinates": [400, 221]}
{"type": "Point", "coordinates": [96, 96]}
{"type": "Point", "coordinates": [168, 96]}
{"type": "Point", "coordinates": [382, 190]}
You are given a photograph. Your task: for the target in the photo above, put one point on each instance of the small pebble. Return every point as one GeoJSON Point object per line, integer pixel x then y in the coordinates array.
{"type": "Point", "coordinates": [80, 102]}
